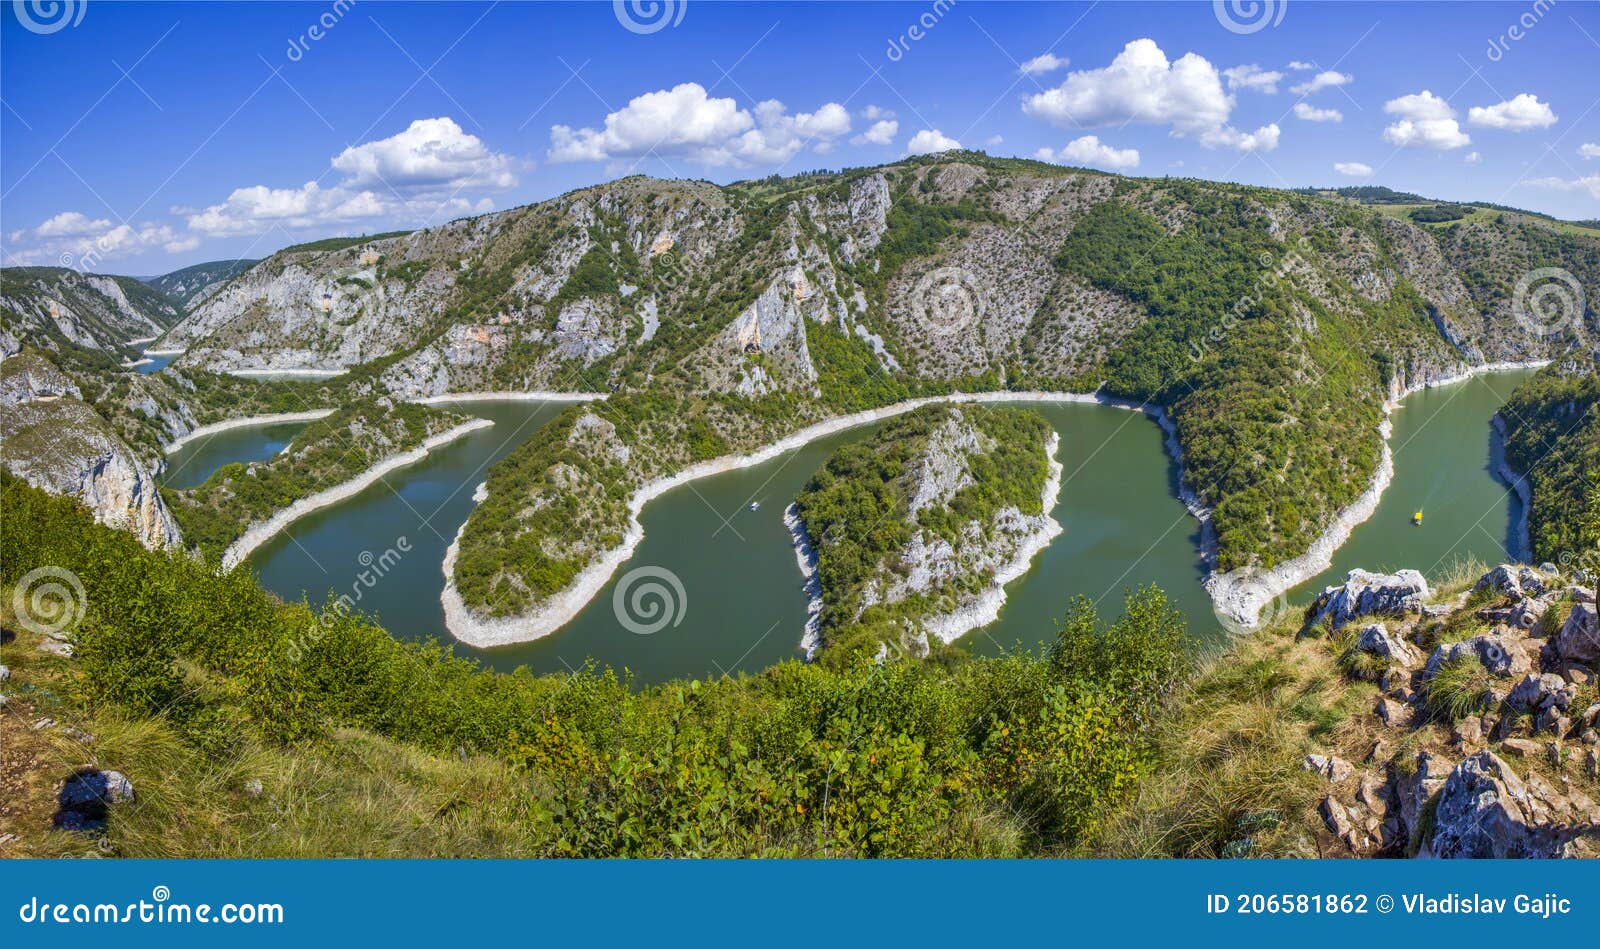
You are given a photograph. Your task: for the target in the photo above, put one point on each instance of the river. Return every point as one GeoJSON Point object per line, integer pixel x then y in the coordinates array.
{"type": "Point", "coordinates": [743, 607]}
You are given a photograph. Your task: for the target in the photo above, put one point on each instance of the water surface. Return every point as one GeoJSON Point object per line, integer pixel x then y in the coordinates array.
{"type": "Point", "coordinates": [743, 607]}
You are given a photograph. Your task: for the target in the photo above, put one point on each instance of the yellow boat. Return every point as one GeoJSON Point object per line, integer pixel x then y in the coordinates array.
{"type": "Point", "coordinates": [1417, 518]}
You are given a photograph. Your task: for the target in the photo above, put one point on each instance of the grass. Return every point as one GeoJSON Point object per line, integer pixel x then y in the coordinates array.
{"type": "Point", "coordinates": [353, 794]}
{"type": "Point", "coordinates": [1228, 779]}
{"type": "Point", "coordinates": [1458, 689]}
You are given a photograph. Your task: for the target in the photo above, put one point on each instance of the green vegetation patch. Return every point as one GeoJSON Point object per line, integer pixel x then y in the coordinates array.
{"type": "Point", "coordinates": [325, 453]}
{"type": "Point", "coordinates": [860, 511]}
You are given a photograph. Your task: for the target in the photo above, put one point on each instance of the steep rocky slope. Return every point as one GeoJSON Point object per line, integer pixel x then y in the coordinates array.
{"type": "Point", "coordinates": [53, 307]}
{"type": "Point", "coordinates": [1397, 721]}
{"type": "Point", "coordinates": [54, 441]}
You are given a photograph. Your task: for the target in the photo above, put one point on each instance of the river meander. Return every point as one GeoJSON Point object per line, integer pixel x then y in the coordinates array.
{"type": "Point", "coordinates": [744, 608]}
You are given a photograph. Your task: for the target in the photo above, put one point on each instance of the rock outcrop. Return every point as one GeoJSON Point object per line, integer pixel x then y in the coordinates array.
{"type": "Point", "coordinates": [1369, 594]}
{"type": "Point", "coordinates": [61, 446]}
{"type": "Point", "coordinates": [1452, 791]}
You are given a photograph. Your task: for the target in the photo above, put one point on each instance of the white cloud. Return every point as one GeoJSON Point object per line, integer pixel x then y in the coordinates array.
{"type": "Point", "coordinates": [1517, 114]}
{"type": "Point", "coordinates": [882, 132]}
{"type": "Point", "coordinates": [1140, 85]}
{"type": "Point", "coordinates": [72, 224]}
{"type": "Point", "coordinates": [418, 173]}
{"type": "Point", "coordinates": [1426, 121]}
{"type": "Point", "coordinates": [1307, 112]}
{"type": "Point", "coordinates": [430, 155]}
{"type": "Point", "coordinates": [830, 121]}
{"type": "Point", "coordinates": [255, 209]}
{"type": "Point", "coordinates": [1091, 152]}
{"type": "Point", "coordinates": [1263, 139]}
{"type": "Point", "coordinates": [685, 122]}
{"type": "Point", "coordinates": [873, 113]}
{"type": "Point", "coordinates": [1589, 150]}
{"type": "Point", "coordinates": [928, 141]}
{"type": "Point", "coordinates": [1588, 183]}
{"type": "Point", "coordinates": [1252, 77]}
{"type": "Point", "coordinates": [994, 140]}
{"type": "Point", "coordinates": [1353, 169]}
{"type": "Point", "coordinates": [1043, 63]}
{"type": "Point", "coordinates": [1472, 158]}
{"type": "Point", "coordinates": [1301, 66]}
{"type": "Point", "coordinates": [74, 239]}
{"type": "Point", "coordinates": [1326, 79]}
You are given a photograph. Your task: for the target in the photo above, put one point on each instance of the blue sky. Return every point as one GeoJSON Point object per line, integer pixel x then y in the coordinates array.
{"type": "Point", "coordinates": [138, 138]}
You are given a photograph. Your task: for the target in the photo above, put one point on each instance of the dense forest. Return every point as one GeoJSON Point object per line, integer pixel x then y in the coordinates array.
{"type": "Point", "coordinates": [1552, 438]}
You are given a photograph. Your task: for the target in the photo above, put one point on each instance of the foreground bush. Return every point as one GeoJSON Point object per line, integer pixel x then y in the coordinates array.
{"type": "Point", "coordinates": [1011, 756]}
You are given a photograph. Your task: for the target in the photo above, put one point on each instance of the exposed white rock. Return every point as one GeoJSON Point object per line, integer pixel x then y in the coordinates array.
{"type": "Point", "coordinates": [1370, 594]}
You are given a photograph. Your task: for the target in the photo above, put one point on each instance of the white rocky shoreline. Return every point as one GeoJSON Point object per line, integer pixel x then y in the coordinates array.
{"type": "Point", "coordinates": [263, 531]}
{"type": "Point", "coordinates": [560, 608]}
{"type": "Point", "coordinates": [246, 422]}
{"type": "Point", "coordinates": [948, 627]}
{"type": "Point", "coordinates": [1240, 595]}
{"type": "Point", "coordinates": [450, 397]}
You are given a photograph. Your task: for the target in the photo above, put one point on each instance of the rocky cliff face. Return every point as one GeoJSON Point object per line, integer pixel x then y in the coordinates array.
{"type": "Point", "coordinates": [56, 442]}
{"type": "Point", "coordinates": [52, 306]}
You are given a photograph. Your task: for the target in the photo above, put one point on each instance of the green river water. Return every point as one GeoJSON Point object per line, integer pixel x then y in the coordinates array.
{"type": "Point", "coordinates": [743, 607]}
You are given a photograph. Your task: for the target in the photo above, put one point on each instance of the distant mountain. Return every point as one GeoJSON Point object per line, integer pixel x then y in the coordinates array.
{"type": "Point", "coordinates": [53, 307]}
{"type": "Point", "coordinates": [193, 284]}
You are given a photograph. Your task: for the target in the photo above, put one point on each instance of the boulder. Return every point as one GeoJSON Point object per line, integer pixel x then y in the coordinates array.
{"type": "Point", "coordinates": [1417, 788]}
{"type": "Point", "coordinates": [86, 798]}
{"type": "Point", "coordinates": [1528, 613]}
{"type": "Point", "coordinates": [1394, 714]}
{"type": "Point", "coordinates": [1502, 579]}
{"type": "Point", "coordinates": [1579, 639]}
{"type": "Point", "coordinates": [1497, 653]}
{"type": "Point", "coordinates": [1485, 811]}
{"type": "Point", "coordinates": [5, 674]}
{"type": "Point", "coordinates": [1370, 594]}
{"type": "Point", "coordinates": [1377, 641]}
{"type": "Point", "coordinates": [1538, 692]}
{"type": "Point", "coordinates": [1335, 770]}
{"type": "Point", "coordinates": [1532, 583]}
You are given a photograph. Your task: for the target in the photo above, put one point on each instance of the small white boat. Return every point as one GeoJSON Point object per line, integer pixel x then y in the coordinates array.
{"type": "Point", "coordinates": [755, 505]}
